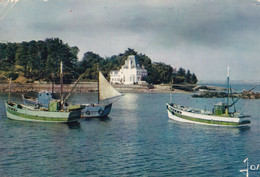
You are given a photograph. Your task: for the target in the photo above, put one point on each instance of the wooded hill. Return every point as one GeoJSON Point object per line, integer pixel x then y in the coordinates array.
{"type": "Point", "coordinates": [37, 60]}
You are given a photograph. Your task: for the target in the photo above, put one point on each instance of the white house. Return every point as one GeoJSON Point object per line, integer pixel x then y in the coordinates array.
{"type": "Point", "coordinates": [130, 72]}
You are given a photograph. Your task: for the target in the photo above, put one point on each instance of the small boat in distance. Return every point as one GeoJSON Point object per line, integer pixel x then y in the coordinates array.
{"type": "Point", "coordinates": [220, 116]}
{"type": "Point", "coordinates": [56, 111]}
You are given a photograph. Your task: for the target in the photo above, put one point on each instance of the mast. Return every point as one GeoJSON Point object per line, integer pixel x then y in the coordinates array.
{"type": "Point", "coordinates": [98, 83]}
{"type": "Point", "coordinates": [52, 84]}
{"type": "Point", "coordinates": [171, 92]}
{"type": "Point", "coordinates": [228, 86]}
{"type": "Point", "coordinates": [61, 82]}
{"type": "Point", "coordinates": [10, 90]}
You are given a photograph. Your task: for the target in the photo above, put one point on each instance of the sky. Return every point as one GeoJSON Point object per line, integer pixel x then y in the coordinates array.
{"type": "Point", "coordinates": [204, 36]}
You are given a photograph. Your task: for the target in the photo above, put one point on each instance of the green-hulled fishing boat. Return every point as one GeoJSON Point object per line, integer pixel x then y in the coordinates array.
{"type": "Point", "coordinates": [52, 114]}
{"type": "Point", "coordinates": [220, 116]}
{"type": "Point", "coordinates": [56, 111]}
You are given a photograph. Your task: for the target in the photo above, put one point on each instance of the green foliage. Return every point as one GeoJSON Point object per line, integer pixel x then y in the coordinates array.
{"type": "Point", "coordinates": [157, 72]}
{"type": "Point", "coordinates": [194, 79]}
{"type": "Point", "coordinates": [188, 77]}
{"type": "Point", "coordinates": [181, 72]}
{"type": "Point", "coordinates": [179, 79]}
{"type": "Point", "coordinates": [37, 60]}
{"type": "Point", "coordinates": [13, 76]}
{"type": "Point", "coordinates": [182, 77]}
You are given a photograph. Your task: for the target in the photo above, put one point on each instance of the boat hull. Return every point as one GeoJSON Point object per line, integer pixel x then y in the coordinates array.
{"type": "Point", "coordinates": [24, 113]}
{"type": "Point", "coordinates": [188, 117]}
{"type": "Point", "coordinates": [96, 111]}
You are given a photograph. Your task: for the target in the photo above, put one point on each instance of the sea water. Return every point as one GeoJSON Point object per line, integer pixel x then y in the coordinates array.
{"type": "Point", "coordinates": [137, 139]}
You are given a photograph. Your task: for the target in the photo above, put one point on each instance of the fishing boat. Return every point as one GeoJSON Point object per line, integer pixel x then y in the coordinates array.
{"type": "Point", "coordinates": [219, 116]}
{"type": "Point", "coordinates": [55, 112]}
{"type": "Point", "coordinates": [107, 94]}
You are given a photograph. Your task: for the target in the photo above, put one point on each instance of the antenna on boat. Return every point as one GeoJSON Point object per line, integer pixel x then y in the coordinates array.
{"type": "Point", "coordinates": [228, 87]}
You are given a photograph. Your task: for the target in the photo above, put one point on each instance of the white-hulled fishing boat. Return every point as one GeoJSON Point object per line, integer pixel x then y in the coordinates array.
{"type": "Point", "coordinates": [220, 116]}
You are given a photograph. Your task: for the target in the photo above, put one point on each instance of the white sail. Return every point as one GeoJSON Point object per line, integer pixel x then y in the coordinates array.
{"type": "Point", "coordinates": [106, 91]}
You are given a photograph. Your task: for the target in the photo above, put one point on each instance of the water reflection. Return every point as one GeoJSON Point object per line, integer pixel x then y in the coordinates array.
{"type": "Point", "coordinates": [217, 130]}
{"type": "Point", "coordinates": [129, 101]}
{"type": "Point", "coordinates": [73, 125]}
{"type": "Point", "coordinates": [103, 119]}
{"type": "Point", "coordinates": [244, 129]}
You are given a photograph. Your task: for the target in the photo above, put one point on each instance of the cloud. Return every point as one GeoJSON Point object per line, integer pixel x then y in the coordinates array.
{"type": "Point", "coordinates": [199, 35]}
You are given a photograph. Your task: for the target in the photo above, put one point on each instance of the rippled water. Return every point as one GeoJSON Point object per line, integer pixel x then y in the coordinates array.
{"type": "Point", "coordinates": [137, 139]}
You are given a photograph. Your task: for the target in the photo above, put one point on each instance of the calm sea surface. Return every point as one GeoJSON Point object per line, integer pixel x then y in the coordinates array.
{"type": "Point", "coordinates": [137, 139]}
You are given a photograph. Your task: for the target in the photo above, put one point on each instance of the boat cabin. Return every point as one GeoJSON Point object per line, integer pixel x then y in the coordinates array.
{"type": "Point", "coordinates": [44, 98]}
{"type": "Point", "coordinates": [220, 109]}
{"type": "Point", "coordinates": [55, 106]}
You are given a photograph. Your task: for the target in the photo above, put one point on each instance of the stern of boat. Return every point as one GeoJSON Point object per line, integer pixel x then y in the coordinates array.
{"type": "Point", "coordinates": [96, 111]}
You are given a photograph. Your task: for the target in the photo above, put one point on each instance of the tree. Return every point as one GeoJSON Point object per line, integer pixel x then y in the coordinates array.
{"type": "Point", "coordinates": [21, 57]}
{"type": "Point", "coordinates": [194, 79]}
{"type": "Point", "coordinates": [37, 60]}
{"type": "Point", "coordinates": [181, 72]}
{"type": "Point", "coordinates": [188, 77]}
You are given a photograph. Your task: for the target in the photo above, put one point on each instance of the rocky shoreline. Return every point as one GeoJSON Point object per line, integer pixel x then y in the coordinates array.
{"type": "Point", "coordinates": [244, 95]}
{"type": "Point", "coordinates": [206, 91]}
{"type": "Point", "coordinates": [85, 87]}
{"type": "Point", "coordinates": [92, 87]}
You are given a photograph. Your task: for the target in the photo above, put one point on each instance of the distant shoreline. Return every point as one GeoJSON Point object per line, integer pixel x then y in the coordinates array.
{"type": "Point", "coordinates": [92, 87]}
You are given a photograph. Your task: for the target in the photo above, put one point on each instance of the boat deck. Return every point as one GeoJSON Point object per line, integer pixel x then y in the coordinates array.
{"type": "Point", "coordinates": [192, 110]}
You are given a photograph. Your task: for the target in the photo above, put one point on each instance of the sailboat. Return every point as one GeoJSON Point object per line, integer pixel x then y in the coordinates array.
{"type": "Point", "coordinates": [106, 95]}
{"type": "Point", "coordinates": [55, 112]}
{"type": "Point", "coordinates": [219, 116]}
